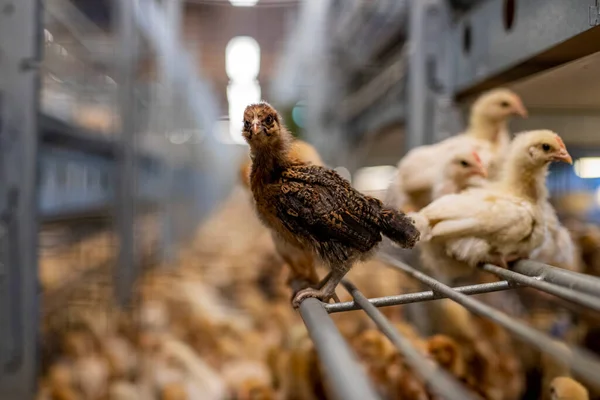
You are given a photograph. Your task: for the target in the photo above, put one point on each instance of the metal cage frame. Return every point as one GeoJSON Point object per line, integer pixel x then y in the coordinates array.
{"type": "Point", "coordinates": [349, 382]}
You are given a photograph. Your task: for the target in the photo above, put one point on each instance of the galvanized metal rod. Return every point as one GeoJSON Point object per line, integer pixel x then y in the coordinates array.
{"type": "Point", "coordinates": [341, 366]}
{"type": "Point", "coordinates": [582, 362]}
{"type": "Point", "coordinates": [559, 291]}
{"type": "Point", "coordinates": [572, 280]}
{"type": "Point", "coordinates": [438, 380]}
{"type": "Point", "coordinates": [126, 271]}
{"type": "Point", "coordinates": [427, 295]}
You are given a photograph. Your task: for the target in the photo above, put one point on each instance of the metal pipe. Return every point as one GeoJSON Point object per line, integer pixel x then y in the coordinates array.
{"type": "Point", "coordinates": [427, 295]}
{"type": "Point", "coordinates": [341, 365]}
{"type": "Point", "coordinates": [559, 291]}
{"type": "Point", "coordinates": [126, 271]}
{"type": "Point", "coordinates": [582, 362]}
{"type": "Point", "coordinates": [572, 280]}
{"type": "Point", "coordinates": [438, 380]}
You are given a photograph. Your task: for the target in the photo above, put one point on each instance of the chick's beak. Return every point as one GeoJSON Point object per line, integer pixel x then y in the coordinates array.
{"type": "Point", "coordinates": [563, 156]}
{"type": "Point", "coordinates": [520, 110]}
{"type": "Point", "coordinates": [482, 171]}
{"type": "Point", "coordinates": [256, 127]}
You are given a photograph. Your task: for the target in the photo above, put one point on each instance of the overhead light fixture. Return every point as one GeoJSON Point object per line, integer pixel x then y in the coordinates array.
{"type": "Point", "coordinates": [243, 3]}
{"type": "Point", "coordinates": [587, 167]}
{"type": "Point", "coordinates": [242, 58]}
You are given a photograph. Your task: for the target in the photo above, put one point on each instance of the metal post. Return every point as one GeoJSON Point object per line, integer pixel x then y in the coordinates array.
{"type": "Point", "coordinates": [173, 12]}
{"type": "Point", "coordinates": [127, 267]}
{"type": "Point", "coordinates": [347, 378]}
{"type": "Point", "coordinates": [419, 108]}
{"type": "Point", "coordinates": [20, 48]}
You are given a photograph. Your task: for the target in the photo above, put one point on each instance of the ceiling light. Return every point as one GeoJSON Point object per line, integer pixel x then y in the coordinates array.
{"type": "Point", "coordinates": [242, 59]}
{"type": "Point", "coordinates": [588, 167]}
{"type": "Point", "coordinates": [243, 3]}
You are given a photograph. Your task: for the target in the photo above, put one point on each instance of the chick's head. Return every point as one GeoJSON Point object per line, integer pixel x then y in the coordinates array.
{"type": "Point", "coordinates": [465, 164]}
{"type": "Point", "coordinates": [499, 104]}
{"type": "Point", "coordinates": [564, 388]}
{"type": "Point", "coordinates": [263, 128]}
{"type": "Point", "coordinates": [541, 147]}
{"type": "Point", "coordinates": [444, 350]}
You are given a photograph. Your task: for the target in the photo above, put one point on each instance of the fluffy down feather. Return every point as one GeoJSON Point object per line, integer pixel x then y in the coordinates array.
{"type": "Point", "coordinates": [501, 222]}
{"type": "Point", "coordinates": [487, 134]}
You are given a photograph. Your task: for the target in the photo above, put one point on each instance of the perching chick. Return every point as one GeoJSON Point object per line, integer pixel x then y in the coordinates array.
{"type": "Point", "coordinates": [457, 173]}
{"type": "Point", "coordinates": [312, 207]}
{"type": "Point", "coordinates": [301, 263]}
{"type": "Point", "coordinates": [558, 248]}
{"type": "Point", "coordinates": [563, 388]}
{"type": "Point", "coordinates": [499, 223]}
{"type": "Point", "coordinates": [487, 132]}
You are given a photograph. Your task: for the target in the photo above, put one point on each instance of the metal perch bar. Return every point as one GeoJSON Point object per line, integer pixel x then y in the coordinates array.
{"type": "Point", "coordinates": [559, 291]}
{"type": "Point", "coordinates": [580, 361]}
{"type": "Point", "coordinates": [342, 368]}
{"type": "Point", "coordinates": [442, 383]}
{"type": "Point", "coordinates": [427, 295]}
{"type": "Point", "coordinates": [569, 279]}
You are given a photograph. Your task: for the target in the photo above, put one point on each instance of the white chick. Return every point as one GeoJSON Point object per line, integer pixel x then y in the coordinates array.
{"type": "Point", "coordinates": [558, 248]}
{"type": "Point", "coordinates": [499, 223]}
{"type": "Point", "coordinates": [487, 132]}
{"type": "Point", "coordinates": [457, 173]}
{"type": "Point", "coordinates": [564, 388]}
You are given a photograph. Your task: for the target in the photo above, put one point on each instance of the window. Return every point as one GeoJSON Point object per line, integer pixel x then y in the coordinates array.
{"type": "Point", "coordinates": [242, 64]}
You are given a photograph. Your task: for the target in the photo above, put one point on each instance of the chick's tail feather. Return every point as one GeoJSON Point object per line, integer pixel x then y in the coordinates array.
{"type": "Point", "coordinates": [399, 228]}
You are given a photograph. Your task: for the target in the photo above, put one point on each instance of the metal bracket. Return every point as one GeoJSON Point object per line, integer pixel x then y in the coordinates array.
{"type": "Point", "coordinates": [595, 14]}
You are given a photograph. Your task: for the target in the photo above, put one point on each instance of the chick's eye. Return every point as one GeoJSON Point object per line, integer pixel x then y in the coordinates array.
{"type": "Point", "coordinates": [546, 147]}
{"type": "Point", "coordinates": [504, 104]}
{"type": "Point", "coordinates": [464, 163]}
{"type": "Point", "coordinates": [269, 120]}
{"type": "Point", "coordinates": [247, 124]}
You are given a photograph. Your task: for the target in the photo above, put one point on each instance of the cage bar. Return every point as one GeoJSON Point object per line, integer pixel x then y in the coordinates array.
{"type": "Point", "coordinates": [567, 294]}
{"type": "Point", "coordinates": [442, 383]}
{"type": "Point", "coordinates": [547, 273]}
{"type": "Point", "coordinates": [582, 362]}
{"type": "Point", "coordinates": [341, 365]}
{"type": "Point", "coordinates": [427, 295]}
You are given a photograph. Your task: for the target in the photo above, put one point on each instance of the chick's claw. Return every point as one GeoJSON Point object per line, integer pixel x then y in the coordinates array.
{"type": "Point", "coordinates": [311, 293]}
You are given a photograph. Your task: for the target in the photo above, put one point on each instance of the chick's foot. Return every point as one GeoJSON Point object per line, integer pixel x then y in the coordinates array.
{"type": "Point", "coordinates": [320, 294]}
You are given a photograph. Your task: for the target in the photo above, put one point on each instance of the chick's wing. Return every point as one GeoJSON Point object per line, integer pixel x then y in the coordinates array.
{"type": "Point", "coordinates": [316, 203]}
{"type": "Point", "coordinates": [479, 212]}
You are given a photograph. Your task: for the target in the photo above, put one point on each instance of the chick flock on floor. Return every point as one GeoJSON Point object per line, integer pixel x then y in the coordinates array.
{"type": "Point", "coordinates": [219, 323]}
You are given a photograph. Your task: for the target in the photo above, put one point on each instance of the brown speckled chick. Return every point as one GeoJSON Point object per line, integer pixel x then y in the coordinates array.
{"type": "Point", "coordinates": [312, 207]}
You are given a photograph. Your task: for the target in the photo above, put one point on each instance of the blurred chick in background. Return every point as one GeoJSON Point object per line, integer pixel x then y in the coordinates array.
{"type": "Point", "coordinates": [487, 133]}
{"type": "Point", "coordinates": [312, 207]}
{"type": "Point", "coordinates": [457, 173]}
{"type": "Point", "coordinates": [564, 388]}
{"type": "Point", "coordinates": [499, 223]}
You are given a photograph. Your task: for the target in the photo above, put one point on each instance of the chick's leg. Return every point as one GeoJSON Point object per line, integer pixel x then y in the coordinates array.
{"type": "Point", "coordinates": [325, 292]}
